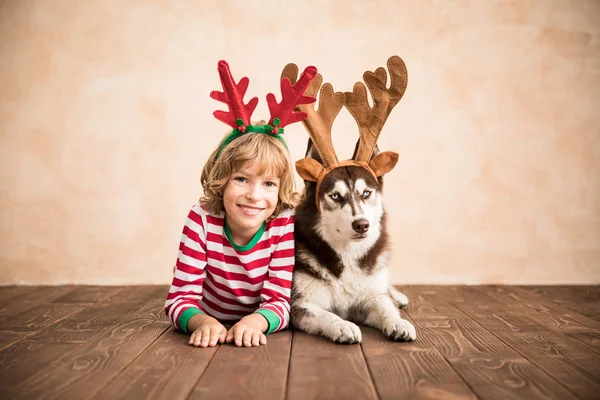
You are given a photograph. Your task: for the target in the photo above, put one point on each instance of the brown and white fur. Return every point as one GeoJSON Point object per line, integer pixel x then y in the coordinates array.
{"type": "Point", "coordinates": [342, 251]}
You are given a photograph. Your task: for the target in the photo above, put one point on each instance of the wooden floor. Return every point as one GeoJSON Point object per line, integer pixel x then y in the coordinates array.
{"type": "Point", "coordinates": [486, 342]}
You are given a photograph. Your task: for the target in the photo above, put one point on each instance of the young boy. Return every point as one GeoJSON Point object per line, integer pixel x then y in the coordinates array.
{"type": "Point", "coordinates": [236, 254]}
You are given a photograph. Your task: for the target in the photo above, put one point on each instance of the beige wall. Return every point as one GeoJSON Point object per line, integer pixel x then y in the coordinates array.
{"type": "Point", "coordinates": [105, 122]}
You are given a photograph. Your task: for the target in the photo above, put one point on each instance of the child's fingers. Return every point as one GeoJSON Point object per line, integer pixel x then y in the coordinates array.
{"type": "Point", "coordinates": [238, 336]}
{"type": "Point", "coordinates": [247, 340]}
{"type": "Point", "coordinates": [229, 336]}
{"type": "Point", "coordinates": [196, 338]}
{"type": "Point", "coordinates": [205, 336]}
{"type": "Point", "coordinates": [256, 338]}
{"type": "Point", "coordinates": [222, 335]}
{"type": "Point", "coordinates": [263, 338]}
{"type": "Point", "coordinates": [214, 336]}
{"type": "Point", "coordinates": [192, 337]}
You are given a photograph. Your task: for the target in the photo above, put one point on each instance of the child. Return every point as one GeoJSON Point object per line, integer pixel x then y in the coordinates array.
{"type": "Point", "coordinates": [237, 248]}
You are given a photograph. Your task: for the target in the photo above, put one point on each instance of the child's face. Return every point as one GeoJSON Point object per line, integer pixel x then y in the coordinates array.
{"type": "Point", "coordinates": [249, 199]}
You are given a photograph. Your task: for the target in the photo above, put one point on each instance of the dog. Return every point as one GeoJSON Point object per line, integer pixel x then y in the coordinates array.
{"type": "Point", "coordinates": [342, 246]}
{"type": "Point", "coordinates": [341, 276]}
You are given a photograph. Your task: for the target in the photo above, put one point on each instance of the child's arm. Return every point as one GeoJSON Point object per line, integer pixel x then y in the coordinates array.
{"type": "Point", "coordinates": [275, 294]}
{"type": "Point", "coordinates": [183, 300]}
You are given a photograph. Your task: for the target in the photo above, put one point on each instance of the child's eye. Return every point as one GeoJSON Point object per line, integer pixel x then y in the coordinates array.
{"type": "Point", "coordinates": [271, 184]}
{"type": "Point", "coordinates": [239, 179]}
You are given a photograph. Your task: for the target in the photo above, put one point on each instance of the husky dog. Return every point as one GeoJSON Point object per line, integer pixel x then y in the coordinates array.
{"type": "Point", "coordinates": [342, 244]}
{"type": "Point", "coordinates": [342, 252]}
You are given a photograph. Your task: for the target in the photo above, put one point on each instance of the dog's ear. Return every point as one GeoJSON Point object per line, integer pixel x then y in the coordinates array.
{"type": "Point", "coordinates": [311, 152]}
{"type": "Point", "coordinates": [384, 162]}
{"type": "Point", "coordinates": [309, 169]}
{"type": "Point", "coordinates": [375, 150]}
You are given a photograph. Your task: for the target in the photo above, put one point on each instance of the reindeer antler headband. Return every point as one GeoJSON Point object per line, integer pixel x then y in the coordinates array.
{"type": "Point", "coordinates": [282, 114]}
{"type": "Point", "coordinates": [370, 120]}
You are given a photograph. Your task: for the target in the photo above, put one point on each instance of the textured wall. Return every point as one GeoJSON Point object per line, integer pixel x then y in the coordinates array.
{"type": "Point", "coordinates": [105, 122]}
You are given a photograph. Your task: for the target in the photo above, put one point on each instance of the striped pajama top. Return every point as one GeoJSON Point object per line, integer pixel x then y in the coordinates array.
{"type": "Point", "coordinates": [214, 276]}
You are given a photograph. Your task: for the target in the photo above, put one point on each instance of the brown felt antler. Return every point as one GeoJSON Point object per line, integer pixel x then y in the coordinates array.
{"type": "Point", "coordinates": [370, 120]}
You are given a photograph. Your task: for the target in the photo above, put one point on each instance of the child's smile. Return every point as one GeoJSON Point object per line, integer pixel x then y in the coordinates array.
{"type": "Point", "coordinates": [250, 211]}
{"type": "Point", "coordinates": [249, 200]}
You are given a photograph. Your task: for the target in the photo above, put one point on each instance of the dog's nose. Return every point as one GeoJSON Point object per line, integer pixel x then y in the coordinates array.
{"type": "Point", "coordinates": [360, 225]}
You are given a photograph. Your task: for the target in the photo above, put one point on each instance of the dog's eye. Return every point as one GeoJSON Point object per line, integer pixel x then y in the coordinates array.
{"type": "Point", "coordinates": [366, 194]}
{"type": "Point", "coordinates": [335, 196]}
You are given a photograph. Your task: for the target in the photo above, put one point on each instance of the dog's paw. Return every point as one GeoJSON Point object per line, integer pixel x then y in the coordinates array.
{"type": "Point", "coordinates": [400, 299]}
{"type": "Point", "coordinates": [400, 330]}
{"type": "Point", "coordinates": [344, 332]}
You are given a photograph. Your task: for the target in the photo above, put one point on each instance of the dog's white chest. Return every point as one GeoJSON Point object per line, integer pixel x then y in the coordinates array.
{"type": "Point", "coordinates": [354, 286]}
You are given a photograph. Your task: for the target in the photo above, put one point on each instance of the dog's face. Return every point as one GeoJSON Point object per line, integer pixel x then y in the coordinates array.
{"type": "Point", "coordinates": [351, 204]}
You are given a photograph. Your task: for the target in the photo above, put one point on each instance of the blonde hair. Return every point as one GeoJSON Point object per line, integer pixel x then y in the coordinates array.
{"type": "Point", "coordinates": [265, 149]}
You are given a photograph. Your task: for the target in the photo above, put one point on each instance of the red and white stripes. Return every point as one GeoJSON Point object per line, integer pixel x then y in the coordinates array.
{"type": "Point", "coordinates": [227, 284]}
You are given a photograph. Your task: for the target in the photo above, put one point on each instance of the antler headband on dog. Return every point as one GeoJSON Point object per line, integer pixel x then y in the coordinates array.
{"type": "Point", "coordinates": [282, 114]}
{"type": "Point", "coordinates": [370, 120]}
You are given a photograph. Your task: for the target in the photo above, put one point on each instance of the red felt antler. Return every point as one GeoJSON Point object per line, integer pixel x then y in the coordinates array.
{"type": "Point", "coordinates": [291, 96]}
{"type": "Point", "coordinates": [233, 96]}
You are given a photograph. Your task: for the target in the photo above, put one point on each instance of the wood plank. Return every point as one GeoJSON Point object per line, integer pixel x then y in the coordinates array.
{"type": "Point", "coordinates": [412, 370]}
{"type": "Point", "coordinates": [8, 293]}
{"type": "Point", "coordinates": [543, 313]}
{"type": "Point", "coordinates": [95, 318]}
{"type": "Point", "coordinates": [92, 365]}
{"type": "Point", "coordinates": [169, 368]}
{"type": "Point", "coordinates": [8, 338]}
{"type": "Point", "coordinates": [251, 372]}
{"type": "Point", "coordinates": [557, 315]}
{"type": "Point", "coordinates": [538, 338]}
{"type": "Point", "coordinates": [89, 294]}
{"type": "Point", "coordinates": [138, 293]}
{"type": "Point", "coordinates": [582, 299]}
{"type": "Point", "coordinates": [321, 369]}
{"type": "Point", "coordinates": [572, 365]}
{"type": "Point", "coordinates": [24, 359]}
{"type": "Point", "coordinates": [28, 297]}
{"type": "Point", "coordinates": [491, 368]}
{"type": "Point", "coordinates": [40, 317]}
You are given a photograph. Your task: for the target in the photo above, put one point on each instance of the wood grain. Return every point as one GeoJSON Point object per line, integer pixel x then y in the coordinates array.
{"type": "Point", "coordinates": [581, 299]}
{"type": "Point", "coordinates": [91, 319]}
{"type": "Point", "coordinates": [480, 342]}
{"type": "Point", "coordinates": [247, 372]}
{"type": "Point", "coordinates": [92, 365]}
{"type": "Point", "coordinates": [536, 332]}
{"type": "Point", "coordinates": [169, 368]}
{"type": "Point", "coordinates": [24, 359]}
{"type": "Point", "coordinates": [412, 370]}
{"type": "Point", "coordinates": [321, 369]}
{"type": "Point", "coordinates": [491, 368]}
{"type": "Point", "coordinates": [89, 294]}
{"type": "Point", "coordinates": [19, 299]}
{"type": "Point", "coordinates": [8, 338]}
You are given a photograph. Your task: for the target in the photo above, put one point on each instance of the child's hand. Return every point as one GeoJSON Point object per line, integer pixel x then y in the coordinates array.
{"type": "Point", "coordinates": [248, 331]}
{"type": "Point", "coordinates": [208, 333]}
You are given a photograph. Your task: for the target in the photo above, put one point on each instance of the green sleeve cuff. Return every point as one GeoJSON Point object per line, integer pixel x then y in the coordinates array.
{"type": "Point", "coordinates": [271, 318]}
{"type": "Point", "coordinates": [185, 317]}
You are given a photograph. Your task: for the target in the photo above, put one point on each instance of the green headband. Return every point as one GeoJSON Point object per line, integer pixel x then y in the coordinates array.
{"type": "Point", "coordinates": [242, 129]}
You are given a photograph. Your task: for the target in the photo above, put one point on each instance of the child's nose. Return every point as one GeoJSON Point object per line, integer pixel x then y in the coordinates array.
{"type": "Point", "coordinates": [253, 192]}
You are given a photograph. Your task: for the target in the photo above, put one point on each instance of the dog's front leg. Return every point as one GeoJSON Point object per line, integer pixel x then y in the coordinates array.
{"type": "Point", "coordinates": [315, 320]}
{"type": "Point", "coordinates": [399, 298]}
{"type": "Point", "coordinates": [383, 314]}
